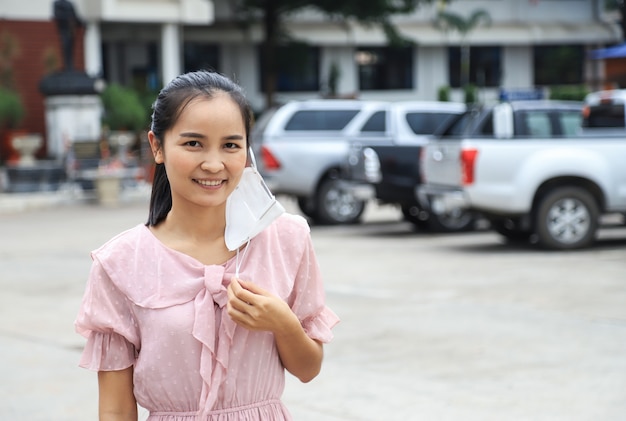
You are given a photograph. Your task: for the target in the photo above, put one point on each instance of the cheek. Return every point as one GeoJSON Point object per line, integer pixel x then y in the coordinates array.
{"type": "Point", "coordinates": [178, 163]}
{"type": "Point", "coordinates": [236, 167]}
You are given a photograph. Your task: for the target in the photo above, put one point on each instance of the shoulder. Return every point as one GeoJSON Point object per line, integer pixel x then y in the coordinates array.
{"type": "Point", "coordinates": [289, 225]}
{"type": "Point", "coordinates": [122, 243]}
{"type": "Point", "coordinates": [288, 234]}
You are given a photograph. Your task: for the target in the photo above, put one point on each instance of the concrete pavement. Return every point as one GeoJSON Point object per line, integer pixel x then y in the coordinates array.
{"type": "Point", "coordinates": [434, 327]}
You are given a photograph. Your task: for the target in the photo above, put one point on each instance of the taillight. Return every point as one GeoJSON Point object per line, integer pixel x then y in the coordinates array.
{"type": "Point", "coordinates": [269, 161]}
{"type": "Point", "coordinates": [468, 160]}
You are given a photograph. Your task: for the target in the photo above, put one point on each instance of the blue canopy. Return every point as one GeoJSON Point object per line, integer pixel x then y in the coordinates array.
{"type": "Point", "coordinates": [616, 51]}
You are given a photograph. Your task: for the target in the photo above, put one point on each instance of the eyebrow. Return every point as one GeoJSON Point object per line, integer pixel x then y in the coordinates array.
{"type": "Point", "coordinates": [194, 135]}
{"type": "Point", "coordinates": [191, 134]}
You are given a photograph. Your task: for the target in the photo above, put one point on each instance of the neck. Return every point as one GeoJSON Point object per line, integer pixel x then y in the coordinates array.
{"type": "Point", "coordinates": [199, 224]}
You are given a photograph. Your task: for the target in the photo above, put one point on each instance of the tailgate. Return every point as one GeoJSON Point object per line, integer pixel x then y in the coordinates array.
{"type": "Point", "coordinates": [441, 163]}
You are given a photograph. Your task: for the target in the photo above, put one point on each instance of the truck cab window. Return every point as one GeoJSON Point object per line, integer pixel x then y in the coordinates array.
{"type": "Point", "coordinates": [426, 123]}
{"type": "Point", "coordinates": [459, 127]}
{"type": "Point", "coordinates": [376, 124]}
{"type": "Point", "coordinates": [320, 120]}
{"type": "Point", "coordinates": [537, 124]}
{"type": "Point", "coordinates": [571, 123]}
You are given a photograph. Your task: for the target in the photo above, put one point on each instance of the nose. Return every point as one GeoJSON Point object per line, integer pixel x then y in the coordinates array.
{"type": "Point", "coordinates": [212, 162]}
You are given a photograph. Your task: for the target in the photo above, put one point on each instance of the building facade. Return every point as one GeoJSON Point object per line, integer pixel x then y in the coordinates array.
{"type": "Point", "coordinates": [526, 44]}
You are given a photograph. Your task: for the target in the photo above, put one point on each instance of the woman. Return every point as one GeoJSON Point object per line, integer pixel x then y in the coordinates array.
{"type": "Point", "coordinates": [169, 326]}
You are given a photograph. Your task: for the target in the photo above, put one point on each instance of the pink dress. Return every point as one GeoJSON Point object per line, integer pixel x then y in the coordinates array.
{"type": "Point", "coordinates": [163, 312]}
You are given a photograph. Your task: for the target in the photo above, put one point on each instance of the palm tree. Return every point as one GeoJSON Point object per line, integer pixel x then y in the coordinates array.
{"type": "Point", "coordinates": [447, 21]}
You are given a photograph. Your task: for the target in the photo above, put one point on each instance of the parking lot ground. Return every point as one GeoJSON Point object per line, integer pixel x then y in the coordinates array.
{"type": "Point", "coordinates": [434, 327]}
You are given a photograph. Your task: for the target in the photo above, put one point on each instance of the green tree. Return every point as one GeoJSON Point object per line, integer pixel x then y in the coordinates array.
{"type": "Point", "coordinates": [450, 21]}
{"type": "Point", "coordinates": [272, 12]}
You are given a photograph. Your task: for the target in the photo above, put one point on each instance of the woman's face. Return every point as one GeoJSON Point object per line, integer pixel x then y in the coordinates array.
{"type": "Point", "coordinates": [205, 152]}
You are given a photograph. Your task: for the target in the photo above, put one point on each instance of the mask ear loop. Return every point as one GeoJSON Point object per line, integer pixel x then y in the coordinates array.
{"type": "Point", "coordinates": [239, 263]}
{"type": "Point", "coordinates": [252, 158]}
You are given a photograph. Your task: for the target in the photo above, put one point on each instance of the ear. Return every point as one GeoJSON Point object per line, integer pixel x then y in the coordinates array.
{"type": "Point", "coordinates": [156, 147]}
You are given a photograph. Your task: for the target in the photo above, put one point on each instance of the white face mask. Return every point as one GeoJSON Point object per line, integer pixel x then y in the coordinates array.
{"type": "Point", "coordinates": [250, 208]}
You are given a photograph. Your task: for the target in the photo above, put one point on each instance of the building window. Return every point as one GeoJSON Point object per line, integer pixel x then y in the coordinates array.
{"type": "Point", "coordinates": [484, 66]}
{"type": "Point", "coordinates": [297, 68]}
{"type": "Point", "coordinates": [200, 56]}
{"type": "Point", "coordinates": [558, 65]}
{"type": "Point", "coordinates": [385, 68]}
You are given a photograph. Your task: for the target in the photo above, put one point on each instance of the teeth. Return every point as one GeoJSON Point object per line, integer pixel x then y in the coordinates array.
{"type": "Point", "coordinates": [212, 183]}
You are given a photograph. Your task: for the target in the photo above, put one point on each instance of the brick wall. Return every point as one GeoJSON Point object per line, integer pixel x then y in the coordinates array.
{"type": "Point", "coordinates": [36, 41]}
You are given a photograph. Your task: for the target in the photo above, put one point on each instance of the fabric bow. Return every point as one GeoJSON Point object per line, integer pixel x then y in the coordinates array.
{"type": "Point", "coordinates": [215, 330]}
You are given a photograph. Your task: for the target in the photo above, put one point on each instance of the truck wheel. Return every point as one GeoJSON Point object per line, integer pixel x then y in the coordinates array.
{"type": "Point", "coordinates": [511, 233]}
{"type": "Point", "coordinates": [567, 218]}
{"type": "Point", "coordinates": [307, 207]}
{"type": "Point", "coordinates": [455, 221]}
{"type": "Point", "coordinates": [458, 220]}
{"type": "Point", "coordinates": [416, 216]}
{"type": "Point", "coordinates": [337, 205]}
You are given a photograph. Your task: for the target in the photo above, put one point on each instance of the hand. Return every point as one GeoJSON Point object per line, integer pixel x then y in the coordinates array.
{"type": "Point", "coordinates": [256, 309]}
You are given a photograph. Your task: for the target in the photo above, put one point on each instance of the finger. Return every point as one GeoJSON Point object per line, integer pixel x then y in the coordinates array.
{"type": "Point", "coordinates": [241, 292]}
{"type": "Point", "coordinates": [253, 288]}
{"type": "Point", "coordinates": [238, 298]}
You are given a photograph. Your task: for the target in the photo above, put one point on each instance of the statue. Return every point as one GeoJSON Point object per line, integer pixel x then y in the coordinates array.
{"type": "Point", "coordinates": [68, 81]}
{"type": "Point", "coordinates": [67, 22]}
{"type": "Point", "coordinates": [73, 107]}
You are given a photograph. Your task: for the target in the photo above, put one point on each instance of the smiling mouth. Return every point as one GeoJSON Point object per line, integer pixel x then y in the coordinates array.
{"type": "Point", "coordinates": [209, 183]}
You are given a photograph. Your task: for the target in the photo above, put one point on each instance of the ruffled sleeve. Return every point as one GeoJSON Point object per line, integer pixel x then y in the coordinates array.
{"type": "Point", "coordinates": [106, 319]}
{"type": "Point", "coordinates": [308, 299]}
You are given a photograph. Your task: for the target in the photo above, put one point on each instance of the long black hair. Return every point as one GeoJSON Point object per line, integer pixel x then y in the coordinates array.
{"type": "Point", "coordinates": [166, 110]}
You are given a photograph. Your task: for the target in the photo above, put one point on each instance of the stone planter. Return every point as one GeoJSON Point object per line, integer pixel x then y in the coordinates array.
{"type": "Point", "coordinates": [108, 188]}
{"type": "Point", "coordinates": [26, 146]}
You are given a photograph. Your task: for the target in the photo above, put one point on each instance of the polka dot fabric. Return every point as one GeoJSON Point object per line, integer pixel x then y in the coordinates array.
{"type": "Point", "coordinates": [163, 312]}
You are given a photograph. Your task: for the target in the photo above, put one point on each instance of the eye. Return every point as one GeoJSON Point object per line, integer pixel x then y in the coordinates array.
{"type": "Point", "coordinates": [232, 145]}
{"type": "Point", "coordinates": [193, 143]}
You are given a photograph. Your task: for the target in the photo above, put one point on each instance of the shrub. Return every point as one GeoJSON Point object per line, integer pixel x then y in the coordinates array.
{"type": "Point", "coordinates": [471, 94]}
{"type": "Point", "coordinates": [11, 109]}
{"type": "Point", "coordinates": [443, 94]}
{"type": "Point", "coordinates": [569, 93]}
{"type": "Point", "coordinates": [123, 109]}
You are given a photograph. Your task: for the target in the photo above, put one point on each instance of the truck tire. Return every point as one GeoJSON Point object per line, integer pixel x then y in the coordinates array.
{"type": "Point", "coordinates": [337, 205]}
{"type": "Point", "coordinates": [456, 221]}
{"type": "Point", "coordinates": [567, 218]}
{"type": "Point", "coordinates": [509, 231]}
{"type": "Point", "coordinates": [307, 207]}
{"type": "Point", "coordinates": [459, 220]}
{"type": "Point", "coordinates": [416, 216]}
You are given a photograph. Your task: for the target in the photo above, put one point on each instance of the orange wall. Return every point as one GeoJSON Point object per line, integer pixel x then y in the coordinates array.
{"type": "Point", "coordinates": [615, 71]}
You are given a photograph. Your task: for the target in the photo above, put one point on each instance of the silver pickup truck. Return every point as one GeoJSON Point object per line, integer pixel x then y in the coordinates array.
{"type": "Point", "coordinates": [386, 166]}
{"type": "Point", "coordinates": [529, 168]}
{"type": "Point", "coordinates": [300, 148]}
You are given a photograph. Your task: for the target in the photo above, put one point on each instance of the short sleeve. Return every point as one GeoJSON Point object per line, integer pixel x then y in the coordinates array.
{"type": "Point", "coordinates": [308, 299]}
{"type": "Point", "coordinates": [106, 319]}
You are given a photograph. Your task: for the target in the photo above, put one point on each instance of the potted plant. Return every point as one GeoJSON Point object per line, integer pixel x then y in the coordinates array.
{"type": "Point", "coordinates": [123, 109]}
{"type": "Point", "coordinates": [11, 116]}
{"type": "Point", "coordinates": [11, 109]}
{"type": "Point", "coordinates": [124, 117]}
{"type": "Point", "coordinates": [11, 106]}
